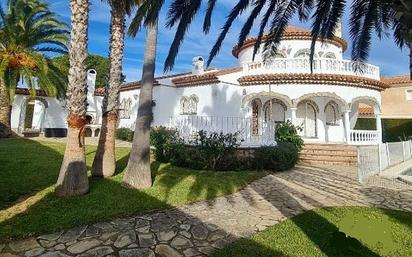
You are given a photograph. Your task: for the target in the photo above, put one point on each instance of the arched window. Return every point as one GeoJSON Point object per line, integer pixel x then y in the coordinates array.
{"type": "Point", "coordinates": [188, 105]}
{"type": "Point", "coordinates": [330, 55]}
{"type": "Point", "coordinates": [332, 114]}
{"type": "Point", "coordinates": [125, 108]}
{"type": "Point", "coordinates": [276, 113]}
{"type": "Point", "coordinates": [304, 53]}
{"type": "Point", "coordinates": [306, 116]}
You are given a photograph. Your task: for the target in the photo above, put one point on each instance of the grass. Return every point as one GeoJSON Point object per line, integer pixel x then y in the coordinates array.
{"type": "Point", "coordinates": [333, 232]}
{"type": "Point", "coordinates": [28, 205]}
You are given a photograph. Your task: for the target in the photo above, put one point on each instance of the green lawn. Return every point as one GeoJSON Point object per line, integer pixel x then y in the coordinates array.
{"type": "Point", "coordinates": [332, 232]}
{"type": "Point", "coordinates": [28, 205]}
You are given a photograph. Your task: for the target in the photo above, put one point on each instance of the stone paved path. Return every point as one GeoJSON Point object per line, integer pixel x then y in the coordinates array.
{"type": "Point", "coordinates": [200, 228]}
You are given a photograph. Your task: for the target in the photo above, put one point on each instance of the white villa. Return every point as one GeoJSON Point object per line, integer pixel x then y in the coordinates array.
{"type": "Point", "coordinates": [249, 99]}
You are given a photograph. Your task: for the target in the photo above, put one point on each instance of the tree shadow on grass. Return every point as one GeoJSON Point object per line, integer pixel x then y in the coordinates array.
{"type": "Point", "coordinates": [27, 166]}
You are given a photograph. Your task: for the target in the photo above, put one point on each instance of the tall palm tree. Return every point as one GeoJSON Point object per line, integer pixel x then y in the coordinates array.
{"type": "Point", "coordinates": [28, 31]}
{"type": "Point", "coordinates": [138, 172]}
{"type": "Point", "coordinates": [104, 163]}
{"type": "Point", "coordinates": [73, 174]}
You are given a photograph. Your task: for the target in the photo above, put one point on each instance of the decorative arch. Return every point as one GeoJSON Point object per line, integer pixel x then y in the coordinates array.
{"type": "Point", "coordinates": [125, 108]}
{"type": "Point", "coordinates": [284, 98]}
{"type": "Point", "coordinates": [332, 113]}
{"type": "Point", "coordinates": [369, 100]}
{"type": "Point", "coordinates": [303, 53]}
{"type": "Point", "coordinates": [277, 116]}
{"type": "Point", "coordinates": [188, 105]}
{"type": "Point", "coordinates": [256, 106]}
{"type": "Point", "coordinates": [340, 100]}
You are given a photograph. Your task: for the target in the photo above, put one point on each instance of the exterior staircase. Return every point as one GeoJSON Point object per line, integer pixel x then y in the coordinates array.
{"type": "Point", "coordinates": [329, 154]}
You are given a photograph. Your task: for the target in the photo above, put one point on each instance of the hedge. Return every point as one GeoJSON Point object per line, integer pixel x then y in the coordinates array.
{"type": "Point", "coordinates": [393, 129]}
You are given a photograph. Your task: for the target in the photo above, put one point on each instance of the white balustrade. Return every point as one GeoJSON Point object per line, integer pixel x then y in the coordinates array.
{"type": "Point", "coordinates": [320, 66]}
{"type": "Point", "coordinates": [188, 125]}
{"type": "Point", "coordinates": [364, 137]}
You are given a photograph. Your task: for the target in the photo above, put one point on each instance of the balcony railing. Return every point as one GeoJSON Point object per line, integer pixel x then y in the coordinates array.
{"type": "Point", "coordinates": [364, 137]}
{"type": "Point", "coordinates": [251, 135]}
{"type": "Point", "coordinates": [321, 65]}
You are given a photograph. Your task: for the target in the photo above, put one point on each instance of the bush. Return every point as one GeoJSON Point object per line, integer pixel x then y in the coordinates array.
{"type": "Point", "coordinates": [281, 157]}
{"type": "Point", "coordinates": [162, 139]}
{"type": "Point", "coordinates": [125, 134]}
{"type": "Point", "coordinates": [287, 132]}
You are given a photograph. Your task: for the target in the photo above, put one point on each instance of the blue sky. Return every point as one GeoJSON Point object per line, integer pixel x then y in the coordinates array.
{"type": "Point", "coordinates": [384, 53]}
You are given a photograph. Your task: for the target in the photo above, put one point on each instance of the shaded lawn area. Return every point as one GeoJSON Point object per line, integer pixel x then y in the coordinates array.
{"type": "Point", "coordinates": [337, 232]}
{"type": "Point", "coordinates": [30, 169]}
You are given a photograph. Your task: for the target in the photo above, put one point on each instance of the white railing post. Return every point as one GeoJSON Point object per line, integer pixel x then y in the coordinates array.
{"type": "Point", "coordinates": [388, 156]}
{"type": "Point", "coordinates": [379, 157]}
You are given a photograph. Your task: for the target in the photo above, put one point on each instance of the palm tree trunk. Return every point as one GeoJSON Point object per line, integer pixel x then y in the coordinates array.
{"type": "Point", "coordinates": [73, 173]}
{"type": "Point", "coordinates": [138, 173]}
{"type": "Point", "coordinates": [104, 164]}
{"type": "Point", "coordinates": [410, 60]}
{"type": "Point", "coordinates": [5, 111]}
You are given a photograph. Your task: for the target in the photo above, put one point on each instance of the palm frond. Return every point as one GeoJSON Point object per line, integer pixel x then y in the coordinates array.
{"type": "Point", "coordinates": [244, 33]}
{"type": "Point", "coordinates": [208, 16]}
{"type": "Point", "coordinates": [234, 13]}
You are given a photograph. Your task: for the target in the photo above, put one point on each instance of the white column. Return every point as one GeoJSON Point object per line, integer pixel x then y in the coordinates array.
{"type": "Point", "coordinates": [346, 123]}
{"type": "Point", "coordinates": [293, 115]}
{"type": "Point", "coordinates": [379, 127]}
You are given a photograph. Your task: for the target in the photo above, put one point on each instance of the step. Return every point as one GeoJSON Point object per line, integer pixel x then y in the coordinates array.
{"type": "Point", "coordinates": [333, 147]}
{"type": "Point", "coordinates": [329, 152]}
{"type": "Point", "coordinates": [318, 162]}
{"type": "Point", "coordinates": [328, 158]}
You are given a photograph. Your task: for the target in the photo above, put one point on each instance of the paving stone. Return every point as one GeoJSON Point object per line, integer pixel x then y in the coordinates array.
{"type": "Point", "coordinates": [59, 247]}
{"type": "Point", "coordinates": [72, 234]}
{"type": "Point", "coordinates": [24, 245]}
{"type": "Point", "coordinates": [97, 252]}
{"type": "Point", "coordinates": [141, 252]}
{"type": "Point", "coordinates": [34, 252]}
{"type": "Point", "coordinates": [164, 236]}
{"type": "Point", "coordinates": [47, 244]}
{"type": "Point", "coordinates": [185, 234]}
{"type": "Point", "coordinates": [54, 254]}
{"type": "Point", "coordinates": [167, 251]}
{"type": "Point", "coordinates": [107, 236]}
{"type": "Point", "coordinates": [91, 231]}
{"type": "Point", "coordinates": [51, 237]}
{"type": "Point", "coordinates": [185, 227]}
{"type": "Point", "coordinates": [206, 249]}
{"type": "Point", "coordinates": [180, 242]}
{"type": "Point", "coordinates": [2, 247]}
{"type": "Point", "coordinates": [191, 252]}
{"type": "Point", "coordinates": [125, 239]}
{"type": "Point", "coordinates": [219, 234]}
{"type": "Point", "coordinates": [83, 246]}
{"type": "Point", "coordinates": [144, 229]}
{"type": "Point", "coordinates": [199, 232]}
{"type": "Point", "coordinates": [220, 244]}
{"type": "Point", "coordinates": [146, 240]}
{"type": "Point", "coordinates": [105, 227]}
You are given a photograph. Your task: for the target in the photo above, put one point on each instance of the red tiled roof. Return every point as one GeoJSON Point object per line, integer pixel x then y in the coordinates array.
{"type": "Point", "coordinates": [307, 78]}
{"type": "Point", "coordinates": [365, 111]}
{"type": "Point", "coordinates": [291, 33]}
{"type": "Point", "coordinates": [396, 80]}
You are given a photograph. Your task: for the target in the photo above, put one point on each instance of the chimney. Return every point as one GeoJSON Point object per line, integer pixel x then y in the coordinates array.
{"type": "Point", "coordinates": [91, 86]}
{"type": "Point", "coordinates": [198, 65]}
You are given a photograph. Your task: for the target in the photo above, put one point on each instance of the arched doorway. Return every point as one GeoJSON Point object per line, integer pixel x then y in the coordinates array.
{"type": "Point", "coordinates": [256, 113]}
{"type": "Point", "coordinates": [33, 114]}
{"type": "Point", "coordinates": [306, 116]}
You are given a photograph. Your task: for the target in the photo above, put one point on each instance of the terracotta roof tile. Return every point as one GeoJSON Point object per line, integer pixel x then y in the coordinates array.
{"type": "Point", "coordinates": [307, 78]}
{"type": "Point", "coordinates": [397, 80]}
{"type": "Point", "coordinates": [291, 33]}
{"type": "Point", "coordinates": [365, 111]}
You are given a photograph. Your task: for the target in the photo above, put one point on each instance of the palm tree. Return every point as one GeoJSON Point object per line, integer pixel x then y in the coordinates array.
{"type": "Point", "coordinates": [73, 174]}
{"type": "Point", "coordinates": [138, 172]}
{"type": "Point", "coordinates": [28, 31]}
{"type": "Point", "coordinates": [104, 163]}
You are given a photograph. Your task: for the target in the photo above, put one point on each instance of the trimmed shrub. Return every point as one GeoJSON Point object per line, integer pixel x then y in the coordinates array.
{"type": "Point", "coordinates": [125, 134]}
{"type": "Point", "coordinates": [161, 138]}
{"type": "Point", "coordinates": [287, 132]}
{"type": "Point", "coordinates": [281, 157]}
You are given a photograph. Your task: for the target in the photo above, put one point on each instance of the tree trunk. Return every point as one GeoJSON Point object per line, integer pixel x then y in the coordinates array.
{"type": "Point", "coordinates": [410, 60]}
{"type": "Point", "coordinates": [104, 164]}
{"type": "Point", "coordinates": [138, 173]}
{"type": "Point", "coordinates": [5, 111]}
{"type": "Point", "coordinates": [73, 172]}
